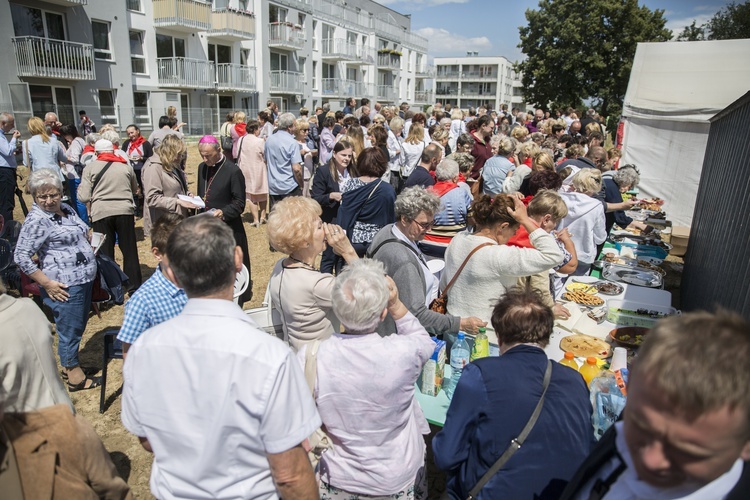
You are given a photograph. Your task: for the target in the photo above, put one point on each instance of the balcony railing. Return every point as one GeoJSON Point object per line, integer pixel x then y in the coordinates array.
{"type": "Point", "coordinates": [336, 13]}
{"type": "Point", "coordinates": [338, 49]}
{"type": "Point", "coordinates": [446, 91]}
{"type": "Point", "coordinates": [389, 61]}
{"type": "Point", "coordinates": [182, 72]}
{"type": "Point", "coordinates": [448, 75]}
{"type": "Point", "coordinates": [426, 71]}
{"type": "Point", "coordinates": [424, 97]}
{"type": "Point", "coordinates": [303, 5]}
{"type": "Point", "coordinates": [387, 93]}
{"type": "Point", "coordinates": [232, 24]}
{"type": "Point", "coordinates": [285, 36]}
{"type": "Point", "coordinates": [235, 77]}
{"type": "Point", "coordinates": [387, 29]}
{"type": "Point", "coordinates": [476, 75]}
{"type": "Point", "coordinates": [415, 41]}
{"type": "Point", "coordinates": [286, 82]}
{"type": "Point", "coordinates": [49, 58]}
{"type": "Point", "coordinates": [184, 15]}
{"type": "Point", "coordinates": [68, 3]}
{"type": "Point", "coordinates": [365, 55]}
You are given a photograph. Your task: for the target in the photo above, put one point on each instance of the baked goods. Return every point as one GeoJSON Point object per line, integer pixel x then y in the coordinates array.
{"type": "Point", "coordinates": [575, 286]}
{"type": "Point", "coordinates": [585, 346]}
{"type": "Point", "coordinates": [587, 299]}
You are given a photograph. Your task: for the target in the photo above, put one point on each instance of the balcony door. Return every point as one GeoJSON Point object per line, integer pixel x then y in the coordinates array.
{"type": "Point", "coordinates": [30, 21]}
{"type": "Point", "coordinates": [168, 46]}
{"type": "Point", "coordinates": [279, 62]}
{"type": "Point", "coordinates": [219, 54]}
{"type": "Point", "coordinates": [57, 99]}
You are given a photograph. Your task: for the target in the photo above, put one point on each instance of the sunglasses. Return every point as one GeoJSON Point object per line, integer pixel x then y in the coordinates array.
{"type": "Point", "coordinates": [425, 225]}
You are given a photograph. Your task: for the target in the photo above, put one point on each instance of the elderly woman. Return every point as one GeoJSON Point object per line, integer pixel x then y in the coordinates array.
{"type": "Point", "coordinates": [74, 167]}
{"type": "Point", "coordinates": [163, 182]}
{"type": "Point", "coordinates": [327, 139]}
{"type": "Point", "coordinates": [377, 428]}
{"type": "Point", "coordinates": [526, 153]}
{"type": "Point", "coordinates": [300, 292]}
{"type": "Point", "coordinates": [396, 247]}
{"type": "Point", "coordinates": [65, 270]}
{"type": "Point", "coordinates": [617, 182]}
{"type": "Point", "coordinates": [42, 150]}
{"type": "Point", "coordinates": [586, 220]}
{"type": "Point", "coordinates": [252, 161]}
{"type": "Point", "coordinates": [452, 218]}
{"type": "Point", "coordinates": [237, 131]}
{"type": "Point", "coordinates": [496, 266]}
{"type": "Point", "coordinates": [497, 168]}
{"type": "Point", "coordinates": [300, 135]}
{"type": "Point", "coordinates": [395, 154]}
{"type": "Point", "coordinates": [493, 401]}
{"type": "Point", "coordinates": [458, 127]}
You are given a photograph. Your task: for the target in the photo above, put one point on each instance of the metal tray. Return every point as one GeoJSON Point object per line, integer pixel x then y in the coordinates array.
{"type": "Point", "coordinates": [632, 275]}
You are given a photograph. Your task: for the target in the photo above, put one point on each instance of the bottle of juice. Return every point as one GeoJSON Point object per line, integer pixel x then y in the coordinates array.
{"type": "Point", "coordinates": [481, 345]}
{"type": "Point", "coordinates": [589, 371]}
{"type": "Point", "coordinates": [569, 360]}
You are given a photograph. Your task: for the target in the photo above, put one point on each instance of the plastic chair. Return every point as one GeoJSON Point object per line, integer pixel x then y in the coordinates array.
{"type": "Point", "coordinates": [241, 282]}
{"type": "Point", "coordinates": [112, 350]}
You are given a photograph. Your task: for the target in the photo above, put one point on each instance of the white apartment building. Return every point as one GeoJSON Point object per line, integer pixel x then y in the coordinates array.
{"type": "Point", "coordinates": [126, 61]}
{"type": "Point", "coordinates": [475, 80]}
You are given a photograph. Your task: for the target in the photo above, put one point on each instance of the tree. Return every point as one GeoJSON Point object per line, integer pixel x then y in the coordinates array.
{"type": "Point", "coordinates": [584, 50]}
{"type": "Point", "coordinates": [692, 33]}
{"type": "Point", "coordinates": [731, 22]}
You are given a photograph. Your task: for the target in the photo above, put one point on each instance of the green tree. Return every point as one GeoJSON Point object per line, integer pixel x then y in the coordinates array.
{"type": "Point", "coordinates": [584, 50]}
{"type": "Point", "coordinates": [692, 33]}
{"type": "Point", "coordinates": [731, 22]}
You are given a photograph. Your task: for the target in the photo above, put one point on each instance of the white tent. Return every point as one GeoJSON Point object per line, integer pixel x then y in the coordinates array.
{"type": "Point", "coordinates": [674, 89]}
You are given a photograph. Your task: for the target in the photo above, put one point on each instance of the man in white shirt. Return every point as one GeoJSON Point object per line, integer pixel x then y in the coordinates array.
{"type": "Point", "coordinates": [686, 427]}
{"type": "Point", "coordinates": [223, 406]}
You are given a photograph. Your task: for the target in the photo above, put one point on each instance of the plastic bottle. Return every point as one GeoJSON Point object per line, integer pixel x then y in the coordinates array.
{"type": "Point", "coordinates": [481, 345]}
{"type": "Point", "coordinates": [589, 371]}
{"type": "Point", "coordinates": [460, 354]}
{"type": "Point", "coordinates": [569, 360]}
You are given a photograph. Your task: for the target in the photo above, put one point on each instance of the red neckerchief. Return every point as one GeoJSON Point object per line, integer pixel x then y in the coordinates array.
{"type": "Point", "coordinates": [135, 144]}
{"type": "Point", "coordinates": [241, 129]}
{"type": "Point", "coordinates": [442, 187]}
{"type": "Point", "coordinates": [105, 157]}
{"type": "Point", "coordinates": [461, 177]}
{"type": "Point", "coordinates": [527, 162]}
{"type": "Point", "coordinates": [521, 238]}
{"type": "Point", "coordinates": [88, 148]}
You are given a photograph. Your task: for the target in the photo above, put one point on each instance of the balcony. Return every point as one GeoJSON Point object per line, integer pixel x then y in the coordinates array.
{"type": "Point", "coordinates": [336, 13]}
{"type": "Point", "coordinates": [387, 93]}
{"type": "Point", "coordinates": [235, 77]}
{"type": "Point", "coordinates": [477, 94]}
{"type": "Point", "coordinates": [286, 82]}
{"type": "Point", "coordinates": [387, 28]}
{"type": "Point", "coordinates": [338, 49]}
{"type": "Point", "coordinates": [47, 58]}
{"type": "Point", "coordinates": [232, 24]}
{"type": "Point", "coordinates": [68, 3]}
{"type": "Point", "coordinates": [415, 41]}
{"type": "Point", "coordinates": [387, 60]}
{"type": "Point", "coordinates": [448, 75]}
{"type": "Point", "coordinates": [334, 87]}
{"type": "Point", "coordinates": [446, 92]}
{"type": "Point", "coordinates": [302, 5]}
{"type": "Point", "coordinates": [182, 15]}
{"type": "Point", "coordinates": [479, 76]}
{"type": "Point", "coordinates": [425, 71]}
{"type": "Point", "coordinates": [424, 97]}
{"type": "Point", "coordinates": [285, 36]}
{"type": "Point", "coordinates": [181, 72]}
{"type": "Point", "coordinates": [365, 55]}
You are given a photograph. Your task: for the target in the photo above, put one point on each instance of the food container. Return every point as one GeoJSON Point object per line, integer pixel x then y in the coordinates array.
{"type": "Point", "coordinates": [632, 275]}
{"type": "Point", "coordinates": [628, 313]}
{"type": "Point", "coordinates": [680, 236]}
{"type": "Point", "coordinates": [643, 250]}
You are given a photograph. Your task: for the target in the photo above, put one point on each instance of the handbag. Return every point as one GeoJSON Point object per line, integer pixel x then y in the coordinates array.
{"type": "Point", "coordinates": [515, 444]}
{"type": "Point", "coordinates": [440, 303]}
{"type": "Point", "coordinates": [318, 441]}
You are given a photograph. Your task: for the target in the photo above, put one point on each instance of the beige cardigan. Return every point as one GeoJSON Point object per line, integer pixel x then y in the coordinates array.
{"type": "Point", "coordinates": [160, 192]}
{"type": "Point", "coordinates": [114, 192]}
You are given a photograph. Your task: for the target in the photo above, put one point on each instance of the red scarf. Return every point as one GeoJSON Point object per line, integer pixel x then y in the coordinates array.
{"type": "Point", "coordinates": [88, 148]}
{"type": "Point", "coordinates": [521, 238]}
{"type": "Point", "coordinates": [135, 144]}
{"type": "Point", "coordinates": [442, 187]}
{"type": "Point", "coordinates": [241, 129]}
{"type": "Point", "coordinates": [528, 161]}
{"type": "Point", "coordinates": [461, 177]}
{"type": "Point", "coordinates": [107, 156]}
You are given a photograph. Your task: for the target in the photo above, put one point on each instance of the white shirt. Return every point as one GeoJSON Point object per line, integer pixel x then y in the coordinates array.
{"type": "Point", "coordinates": [629, 487]}
{"type": "Point", "coordinates": [214, 395]}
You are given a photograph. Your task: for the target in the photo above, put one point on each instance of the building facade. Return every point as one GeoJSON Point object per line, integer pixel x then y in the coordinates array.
{"type": "Point", "coordinates": [126, 61]}
{"type": "Point", "coordinates": [474, 80]}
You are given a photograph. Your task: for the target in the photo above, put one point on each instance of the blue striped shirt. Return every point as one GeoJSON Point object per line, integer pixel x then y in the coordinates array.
{"type": "Point", "coordinates": [156, 301]}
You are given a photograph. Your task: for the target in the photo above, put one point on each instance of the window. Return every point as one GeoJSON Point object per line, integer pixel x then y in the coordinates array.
{"type": "Point", "coordinates": [351, 74]}
{"type": "Point", "coordinates": [57, 99]}
{"type": "Point", "coordinates": [408, 60]}
{"type": "Point", "coordinates": [134, 5]}
{"type": "Point", "coordinates": [166, 46]}
{"type": "Point", "coordinates": [137, 58]}
{"type": "Point", "coordinates": [219, 54]}
{"type": "Point", "coordinates": [315, 35]}
{"type": "Point", "coordinates": [245, 58]}
{"type": "Point", "coordinates": [276, 14]}
{"type": "Point", "coordinates": [302, 68]}
{"type": "Point", "coordinates": [107, 106]}
{"type": "Point", "coordinates": [28, 21]}
{"type": "Point", "coordinates": [102, 48]}
{"type": "Point", "coordinates": [301, 19]}
{"type": "Point", "coordinates": [141, 115]}
{"type": "Point", "coordinates": [328, 71]}
{"type": "Point", "coordinates": [279, 62]}
{"type": "Point", "coordinates": [315, 75]}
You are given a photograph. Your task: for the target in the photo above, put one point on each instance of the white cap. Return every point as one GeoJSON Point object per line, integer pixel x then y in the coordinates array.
{"type": "Point", "coordinates": [103, 145]}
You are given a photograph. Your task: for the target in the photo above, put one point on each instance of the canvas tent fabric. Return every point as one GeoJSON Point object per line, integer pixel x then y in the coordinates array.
{"type": "Point", "coordinates": [674, 89]}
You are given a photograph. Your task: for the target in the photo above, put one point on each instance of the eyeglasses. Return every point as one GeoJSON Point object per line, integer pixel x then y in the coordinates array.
{"type": "Point", "coordinates": [425, 225]}
{"type": "Point", "coordinates": [46, 197]}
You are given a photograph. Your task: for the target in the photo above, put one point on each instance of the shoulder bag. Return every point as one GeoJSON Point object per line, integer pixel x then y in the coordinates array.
{"type": "Point", "coordinates": [318, 442]}
{"type": "Point", "coordinates": [440, 304]}
{"type": "Point", "coordinates": [226, 137]}
{"type": "Point", "coordinates": [516, 443]}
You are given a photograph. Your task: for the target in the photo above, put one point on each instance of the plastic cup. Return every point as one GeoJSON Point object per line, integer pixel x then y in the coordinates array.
{"type": "Point", "coordinates": [619, 359]}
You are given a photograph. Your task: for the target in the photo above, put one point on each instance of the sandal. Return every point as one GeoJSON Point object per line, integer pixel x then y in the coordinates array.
{"type": "Point", "coordinates": [87, 371]}
{"type": "Point", "coordinates": [95, 382]}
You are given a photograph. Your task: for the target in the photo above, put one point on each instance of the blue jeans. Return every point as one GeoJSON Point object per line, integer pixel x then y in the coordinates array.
{"type": "Point", "coordinates": [79, 207]}
{"type": "Point", "coordinates": [70, 319]}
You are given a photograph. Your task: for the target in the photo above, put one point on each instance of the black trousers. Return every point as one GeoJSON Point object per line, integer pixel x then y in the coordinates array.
{"type": "Point", "coordinates": [122, 227]}
{"type": "Point", "coordinates": [7, 192]}
{"type": "Point", "coordinates": [275, 198]}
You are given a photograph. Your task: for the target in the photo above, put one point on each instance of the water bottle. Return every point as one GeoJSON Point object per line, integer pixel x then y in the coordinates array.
{"type": "Point", "coordinates": [460, 354]}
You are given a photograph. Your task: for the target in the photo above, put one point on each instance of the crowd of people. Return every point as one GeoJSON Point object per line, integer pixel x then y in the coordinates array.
{"type": "Point", "coordinates": [359, 203]}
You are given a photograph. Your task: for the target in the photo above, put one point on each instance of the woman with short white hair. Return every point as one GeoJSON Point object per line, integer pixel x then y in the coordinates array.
{"type": "Point", "coordinates": [365, 391]}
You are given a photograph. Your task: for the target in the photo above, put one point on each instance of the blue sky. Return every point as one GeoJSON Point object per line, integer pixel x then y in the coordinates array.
{"type": "Point", "coordinates": [491, 26]}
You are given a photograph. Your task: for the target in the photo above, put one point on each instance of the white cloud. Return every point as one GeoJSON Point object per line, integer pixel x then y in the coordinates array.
{"type": "Point", "coordinates": [443, 43]}
{"type": "Point", "coordinates": [677, 25]}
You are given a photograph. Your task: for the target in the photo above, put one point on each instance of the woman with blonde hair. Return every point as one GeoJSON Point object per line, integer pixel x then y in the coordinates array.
{"type": "Point", "coordinates": [252, 161]}
{"type": "Point", "coordinates": [458, 127]}
{"type": "Point", "coordinates": [519, 133]}
{"type": "Point", "coordinates": [526, 153]}
{"type": "Point", "coordinates": [440, 138]}
{"type": "Point", "coordinates": [412, 149]}
{"type": "Point", "coordinates": [356, 138]}
{"type": "Point", "coordinates": [163, 181]}
{"type": "Point", "coordinates": [42, 150]}
{"type": "Point", "coordinates": [237, 131]}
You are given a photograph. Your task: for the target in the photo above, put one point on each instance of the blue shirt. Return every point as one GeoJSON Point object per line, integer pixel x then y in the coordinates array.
{"type": "Point", "coordinates": [42, 154]}
{"type": "Point", "coordinates": [7, 151]}
{"type": "Point", "coordinates": [281, 151]}
{"type": "Point", "coordinates": [494, 172]}
{"type": "Point", "coordinates": [455, 204]}
{"type": "Point", "coordinates": [156, 301]}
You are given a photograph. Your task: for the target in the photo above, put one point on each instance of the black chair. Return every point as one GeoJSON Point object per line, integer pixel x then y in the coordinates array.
{"type": "Point", "coordinates": [112, 350]}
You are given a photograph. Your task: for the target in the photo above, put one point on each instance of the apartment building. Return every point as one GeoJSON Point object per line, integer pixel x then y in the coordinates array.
{"type": "Point", "coordinates": [475, 80]}
{"type": "Point", "coordinates": [126, 61]}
